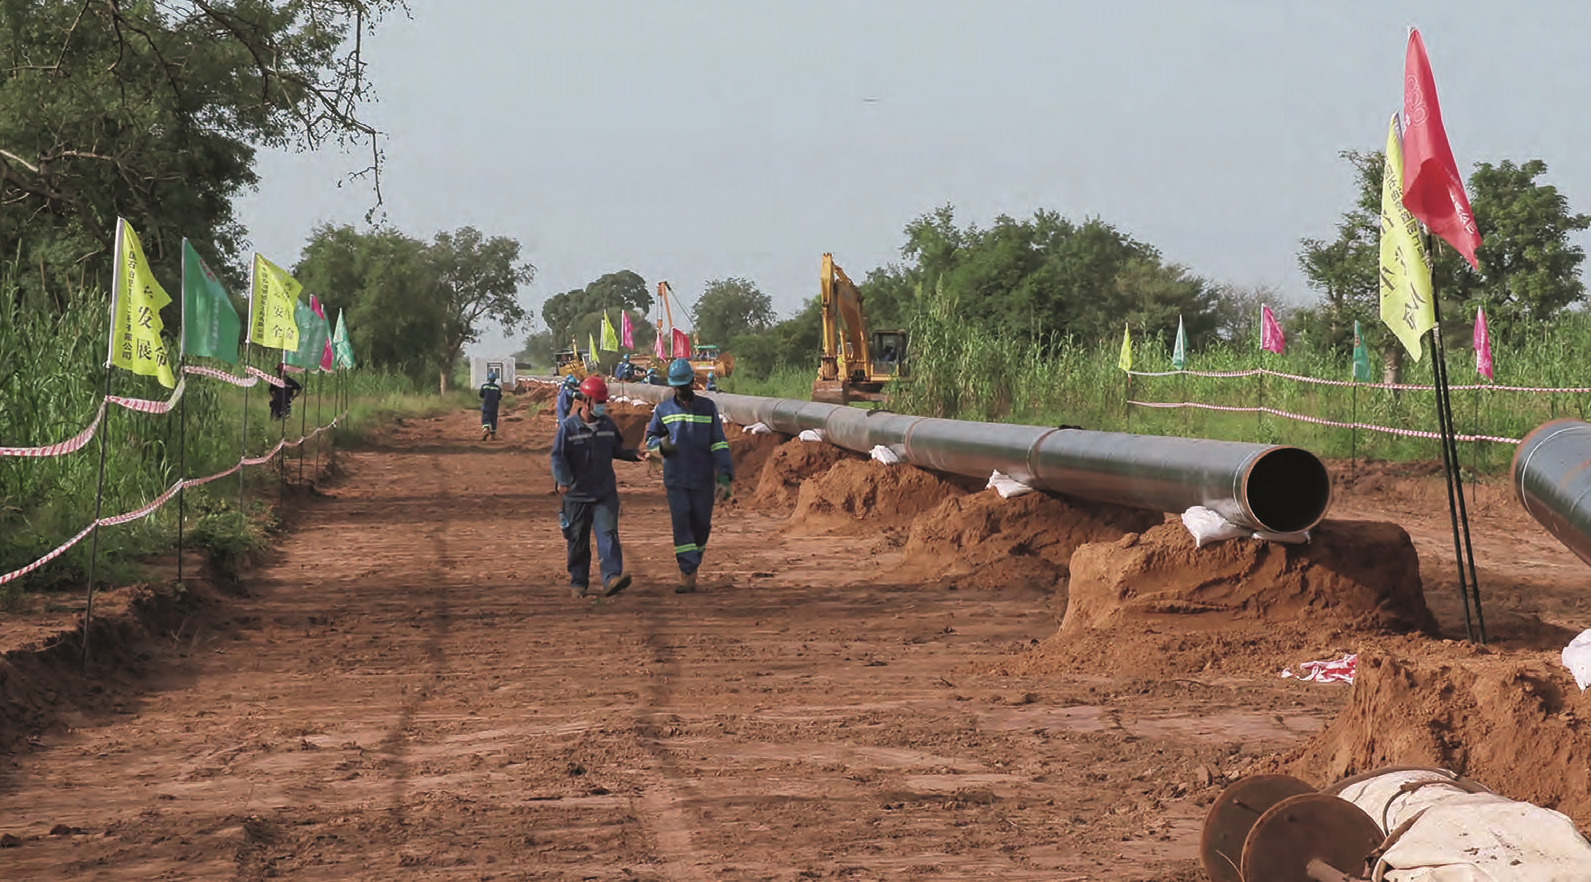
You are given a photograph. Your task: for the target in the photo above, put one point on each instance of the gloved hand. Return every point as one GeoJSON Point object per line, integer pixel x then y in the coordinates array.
{"type": "Point", "coordinates": [666, 446]}
{"type": "Point", "coordinates": [724, 492]}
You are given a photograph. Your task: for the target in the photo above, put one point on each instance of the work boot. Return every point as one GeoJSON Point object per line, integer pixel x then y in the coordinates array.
{"type": "Point", "coordinates": [485, 432]}
{"type": "Point", "coordinates": [577, 591]}
{"type": "Point", "coordinates": [616, 584]}
{"type": "Point", "coordinates": [687, 584]}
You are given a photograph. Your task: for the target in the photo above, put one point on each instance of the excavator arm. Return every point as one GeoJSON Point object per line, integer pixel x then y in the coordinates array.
{"type": "Point", "coordinates": [845, 353]}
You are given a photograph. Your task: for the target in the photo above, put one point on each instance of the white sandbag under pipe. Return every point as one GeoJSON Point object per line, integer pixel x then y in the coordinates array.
{"type": "Point", "coordinates": [1444, 829]}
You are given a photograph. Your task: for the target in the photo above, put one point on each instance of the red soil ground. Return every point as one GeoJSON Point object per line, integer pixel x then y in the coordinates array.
{"type": "Point", "coordinates": [888, 673]}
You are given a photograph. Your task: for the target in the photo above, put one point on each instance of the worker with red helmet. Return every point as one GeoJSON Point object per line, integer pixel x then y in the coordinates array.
{"type": "Point", "coordinates": [584, 451]}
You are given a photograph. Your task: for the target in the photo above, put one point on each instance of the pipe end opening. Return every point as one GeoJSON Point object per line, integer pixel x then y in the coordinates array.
{"type": "Point", "coordinates": [1287, 490]}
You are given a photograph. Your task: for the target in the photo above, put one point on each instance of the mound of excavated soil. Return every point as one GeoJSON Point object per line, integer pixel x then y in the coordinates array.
{"type": "Point", "coordinates": [865, 489]}
{"type": "Point", "coordinates": [1154, 605]}
{"type": "Point", "coordinates": [537, 392]}
{"type": "Point", "coordinates": [987, 542]}
{"type": "Point", "coordinates": [750, 453]}
{"type": "Point", "coordinates": [789, 465]}
{"type": "Point", "coordinates": [1515, 723]}
{"type": "Point", "coordinates": [631, 419]}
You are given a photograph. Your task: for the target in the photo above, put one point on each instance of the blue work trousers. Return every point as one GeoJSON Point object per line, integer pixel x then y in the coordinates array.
{"type": "Point", "coordinates": [577, 521]}
{"type": "Point", "coordinates": [691, 513]}
{"type": "Point", "coordinates": [489, 419]}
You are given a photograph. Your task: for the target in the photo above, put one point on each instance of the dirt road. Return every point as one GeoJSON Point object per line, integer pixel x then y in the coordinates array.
{"type": "Point", "coordinates": [407, 691]}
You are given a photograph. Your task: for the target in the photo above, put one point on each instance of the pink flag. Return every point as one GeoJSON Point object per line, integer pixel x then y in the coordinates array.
{"type": "Point", "coordinates": [627, 330]}
{"type": "Point", "coordinates": [658, 345]}
{"type": "Point", "coordinates": [682, 344]}
{"type": "Point", "coordinates": [1270, 332]}
{"type": "Point", "coordinates": [1483, 343]}
{"type": "Point", "coordinates": [328, 357]}
{"type": "Point", "coordinates": [1433, 191]}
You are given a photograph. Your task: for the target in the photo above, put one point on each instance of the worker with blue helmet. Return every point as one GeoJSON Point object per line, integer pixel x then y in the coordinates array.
{"type": "Point", "coordinates": [697, 469]}
{"type": "Point", "coordinates": [491, 394]}
{"type": "Point", "coordinates": [566, 397]}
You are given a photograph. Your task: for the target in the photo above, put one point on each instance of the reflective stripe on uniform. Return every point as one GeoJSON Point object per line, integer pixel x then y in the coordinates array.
{"type": "Point", "coordinates": [720, 445]}
{"type": "Point", "coordinates": [687, 418]}
{"type": "Point", "coordinates": [682, 549]}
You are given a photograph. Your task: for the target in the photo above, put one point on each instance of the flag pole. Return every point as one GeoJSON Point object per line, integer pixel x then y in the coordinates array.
{"type": "Point", "coordinates": [104, 433]}
{"type": "Point", "coordinates": [316, 469]}
{"type": "Point", "coordinates": [1459, 520]}
{"type": "Point", "coordinates": [248, 340]}
{"type": "Point", "coordinates": [1354, 424]}
{"type": "Point", "coordinates": [182, 431]}
{"type": "Point", "coordinates": [304, 421]}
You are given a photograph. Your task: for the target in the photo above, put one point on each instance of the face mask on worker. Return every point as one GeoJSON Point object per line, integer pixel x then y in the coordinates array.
{"type": "Point", "coordinates": [599, 409]}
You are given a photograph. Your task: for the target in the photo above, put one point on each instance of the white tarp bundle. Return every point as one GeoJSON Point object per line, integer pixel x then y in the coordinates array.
{"type": "Point", "coordinates": [881, 453]}
{"type": "Point", "coordinates": [813, 435]}
{"type": "Point", "coordinates": [757, 429]}
{"type": "Point", "coordinates": [1206, 526]}
{"type": "Point", "coordinates": [1578, 658]}
{"type": "Point", "coordinates": [1446, 832]}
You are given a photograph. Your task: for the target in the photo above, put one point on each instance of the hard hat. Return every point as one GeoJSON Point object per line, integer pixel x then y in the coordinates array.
{"type": "Point", "coordinates": [571, 380]}
{"type": "Point", "coordinates": [681, 373]}
{"type": "Point", "coordinates": [492, 377]}
{"type": "Point", "coordinates": [594, 388]}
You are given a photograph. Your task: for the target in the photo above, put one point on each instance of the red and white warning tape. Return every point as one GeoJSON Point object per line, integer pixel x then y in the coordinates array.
{"type": "Point", "coordinates": [159, 501]}
{"type": "Point", "coordinates": [1411, 433]}
{"type": "Point", "coordinates": [1320, 382]}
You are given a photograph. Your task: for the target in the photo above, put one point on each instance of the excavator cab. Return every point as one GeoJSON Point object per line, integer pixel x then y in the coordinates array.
{"type": "Point", "coordinates": [890, 353]}
{"type": "Point", "coordinates": [569, 362]}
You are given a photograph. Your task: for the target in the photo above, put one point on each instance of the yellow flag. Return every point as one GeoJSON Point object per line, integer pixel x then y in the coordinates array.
{"type": "Point", "coordinates": [136, 299]}
{"type": "Point", "coordinates": [610, 339]}
{"type": "Point", "coordinates": [1406, 270]}
{"type": "Point", "coordinates": [273, 307]}
{"type": "Point", "coordinates": [1125, 360]}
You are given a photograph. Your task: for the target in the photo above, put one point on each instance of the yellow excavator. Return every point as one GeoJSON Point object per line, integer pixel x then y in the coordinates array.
{"type": "Point", "coordinates": [854, 364]}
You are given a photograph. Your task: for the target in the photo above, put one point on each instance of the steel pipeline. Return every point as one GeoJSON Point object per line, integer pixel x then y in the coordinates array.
{"type": "Point", "coordinates": [1282, 489]}
{"type": "Point", "coordinates": [1553, 481]}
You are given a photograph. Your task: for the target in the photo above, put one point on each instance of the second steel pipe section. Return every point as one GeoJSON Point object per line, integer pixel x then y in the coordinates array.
{"type": "Point", "coordinates": [1267, 487]}
{"type": "Point", "coordinates": [1553, 480]}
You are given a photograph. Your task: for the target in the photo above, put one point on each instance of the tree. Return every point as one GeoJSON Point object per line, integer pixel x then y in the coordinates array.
{"type": "Point", "coordinates": [612, 291]}
{"type": "Point", "coordinates": [729, 308]}
{"type": "Point", "coordinates": [478, 280]}
{"type": "Point", "coordinates": [1529, 261]}
{"type": "Point", "coordinates": [152, 111]}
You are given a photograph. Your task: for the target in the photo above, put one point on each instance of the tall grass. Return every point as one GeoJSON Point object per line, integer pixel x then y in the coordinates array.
{"type": "Point", "coordinates": [52, 377]}
{"type": "Point", "coordinates": [968, 373]}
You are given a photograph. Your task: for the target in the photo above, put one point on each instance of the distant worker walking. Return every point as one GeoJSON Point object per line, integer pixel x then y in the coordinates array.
{"type": "Point", "coordinates": [697, 468]}
{"type": "Point", "coordinates": [566, 396]}
{"type": "Point", "coordinates": [584, 451]}
{"type": "Point", "coordinates": [282, 396]}
{"type": "Point", "coordinates": [491, 393]}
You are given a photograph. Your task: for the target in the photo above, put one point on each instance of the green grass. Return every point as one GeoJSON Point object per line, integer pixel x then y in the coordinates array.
{"type": "Point", "coordinates": [972, 374]}
{"type": "Point", "coordinates": [51, 382]}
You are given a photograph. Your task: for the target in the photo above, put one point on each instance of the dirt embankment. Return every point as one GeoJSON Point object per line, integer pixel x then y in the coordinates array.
{"type": "Point", "coordinates": [1135, 598]}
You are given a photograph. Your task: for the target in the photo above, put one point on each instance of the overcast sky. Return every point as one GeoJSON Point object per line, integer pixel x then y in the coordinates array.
{"type": "Point", "coordinates": [692, 141]}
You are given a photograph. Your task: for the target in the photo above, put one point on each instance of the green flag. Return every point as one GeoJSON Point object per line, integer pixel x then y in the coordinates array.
{"type": "Point", "coordinates": [591, 349]}
{"type": "Point", "coordinates": [210, 324]}
{"type": "Point", "coordinates": [1180, 348]}
{"type": "Point", "coordinates": [1125, 360]}
{"type": "Point", "coordinates": [610, 339]}
{"type": "Point", "coordinates": [312, 339]}
{"type": "Point", "coordinates": [342, 347]}
{"type": "Point", "coordinates": [1362, 359]}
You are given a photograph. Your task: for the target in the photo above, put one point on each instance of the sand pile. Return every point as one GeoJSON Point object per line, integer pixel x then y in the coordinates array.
{"type": "Point", "coordinates": [631, 419]}
{"type": "Point", "coordinates": [1515, 723]}
{"type": "Point", "coordinates": [788, 466]}
{"type": "Point", "coordinates": [986, 541]}
{"type": "Point", "coordinates": [863, 489]}
{"type": "Point", "coordinates": [750, 453]}
{"type": "Point", "coordinates": [1153, 604]}
{"type": "Point", "coordinates": [537, 392]}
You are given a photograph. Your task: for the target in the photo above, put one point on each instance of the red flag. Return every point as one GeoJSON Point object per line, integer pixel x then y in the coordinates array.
{"type": "Point", "coordinates": [328, 357]}
{"type": "Point", "coordinates": [627, 330]}
{"type": "Point", "coordinates": [682, 344]}
{"type": "Point", "coordinates": [1483, 343]}
{"type": "Point", "coordinates": [1433, 189]}
{"type": "Point", "coordinates": [1271, 332]}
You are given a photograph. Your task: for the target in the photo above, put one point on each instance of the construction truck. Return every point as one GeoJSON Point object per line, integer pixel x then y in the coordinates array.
{"type": "Point", "coordinates": [855, 365]}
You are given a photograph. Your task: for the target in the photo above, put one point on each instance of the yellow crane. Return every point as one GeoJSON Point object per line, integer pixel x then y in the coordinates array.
{"type": "Point", "coordinates": [854, 365]}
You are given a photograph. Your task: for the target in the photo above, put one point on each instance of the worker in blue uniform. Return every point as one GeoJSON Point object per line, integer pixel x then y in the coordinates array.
{"type": "Point", "coordinates": [584, 451]}
{"type": "Point", "coordinates": [491, 394]}
{"type": "Point", "coordinates": [697, 469]}
{"type": "Point", "coordinates": [566, 396]}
